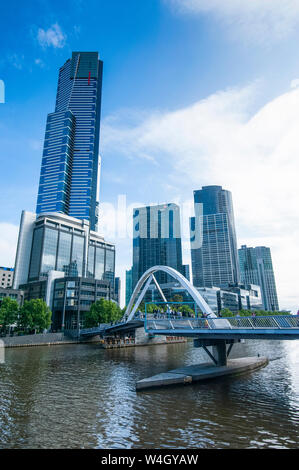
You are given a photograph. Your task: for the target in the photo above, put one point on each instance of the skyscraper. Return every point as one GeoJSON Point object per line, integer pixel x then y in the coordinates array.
{"type": "Point", "coordinates": [70, 164]}
{"type": "Point", "coordinates": [157, 240]}
{"type": "Point", "coordinates": [60, 256]}
{"type": "Point", "coordinates": [256, 268]}
{"type": "Point", "coordinates": [129, 290]}
{"type": "Point", "coordinates": [215, 258]}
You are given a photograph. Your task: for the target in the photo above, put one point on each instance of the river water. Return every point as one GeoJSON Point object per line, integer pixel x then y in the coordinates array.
{"type": "Point", "coordinates": [81, 396]}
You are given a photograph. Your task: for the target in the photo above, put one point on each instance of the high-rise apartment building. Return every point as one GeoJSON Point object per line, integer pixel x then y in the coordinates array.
{"type": "Point", "coordinates": [156, 240]}
{"type": "Point", "coordinates": [69, 174]}
{"type": "Point", "coordinates": [213, 239]}
{"type": "Point", "coordinates": [6, 276]}
{"type": "Point", "coordinates": [256, 268]}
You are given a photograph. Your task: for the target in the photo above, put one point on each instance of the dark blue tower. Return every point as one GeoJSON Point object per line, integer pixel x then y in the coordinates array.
{"type": "Point", "coordinates": [70, 164]}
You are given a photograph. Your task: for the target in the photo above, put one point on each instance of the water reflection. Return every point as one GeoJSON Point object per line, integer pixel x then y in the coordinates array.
{"type": "Point", "coordinates": [82, 396]}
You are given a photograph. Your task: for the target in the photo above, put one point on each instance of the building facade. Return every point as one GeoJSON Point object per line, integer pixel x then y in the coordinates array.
{"type": "Point", "coordinates": [55, 246]}
{"type": "Point", "coordinates": [14, 294]}
{"type": "Point", "coordinates": [214, 253]}
{"type": "Point", "coordinates": [69, 176]}
{"type": "Point", "coordinates": [256, 267]}
{"type": "Point", "coordinates": [64, 244]}
{"type": "Point", "coordinates": [186, 271]}
{"type": "Point", "coordinates": [117, 290]}
{"type": "Point", "coordinates": [156, 240]}
{"type": "Point", "coordinates": [6, 277]}
{"type": "Point", "coordinates": [72, 297]}
{"type": "Point", "coordinates": [129, 290]}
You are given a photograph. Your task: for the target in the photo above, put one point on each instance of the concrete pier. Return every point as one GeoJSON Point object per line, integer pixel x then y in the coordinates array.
{"type": "Point", "coordinates": [205, 371]}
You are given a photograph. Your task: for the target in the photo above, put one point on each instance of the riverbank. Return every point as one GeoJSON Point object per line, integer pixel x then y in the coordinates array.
{"type": "Point", "coordinates": [53, 339]}
{"type": "Point", "coordinates": [43, 339]}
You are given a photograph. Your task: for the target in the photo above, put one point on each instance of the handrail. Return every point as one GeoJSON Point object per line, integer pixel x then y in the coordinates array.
{"type": "Point", "coordinates": [277, 322]}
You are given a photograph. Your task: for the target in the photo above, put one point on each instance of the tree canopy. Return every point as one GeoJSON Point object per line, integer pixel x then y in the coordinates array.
{"type": "Point", "coordinates": [8, 313]}
{"type": "Point", "coordinates": [35, 315]}
{"type": "Point", "coordinates": [102, 311]}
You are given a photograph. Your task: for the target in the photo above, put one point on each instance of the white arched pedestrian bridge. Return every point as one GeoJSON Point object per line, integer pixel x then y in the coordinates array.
{"type": "Point", "coordinates": [209, 328]}
{"type": "Point", "coordinates": [149, 276]}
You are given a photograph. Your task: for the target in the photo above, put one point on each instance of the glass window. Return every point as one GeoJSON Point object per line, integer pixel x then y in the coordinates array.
{"type": "Point", "coordinates": [100, 260]}
{"type": "Point", "coordinates": [90, 266]}
{"type": "Point", "coordinates": [49, 250]}
{"type": "Point", "coordinates": [109, 267]}
{"type": "Point", "coordinates": [36, 253]}
{"type": "Point", "coordinates": [64, 252]}
{"type": "Point", "coordinates": [77, 256]}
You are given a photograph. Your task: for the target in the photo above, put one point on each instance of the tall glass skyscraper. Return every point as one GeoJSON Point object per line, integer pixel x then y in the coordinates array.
{"type": "Point", "coordinates": [70, 164]}
{"type": "Point", "coordinates": [256, 268]}
{"type": "Point", "coordinates": [215, 259]}
{"type": "Point", "coordinates": [156, 240]}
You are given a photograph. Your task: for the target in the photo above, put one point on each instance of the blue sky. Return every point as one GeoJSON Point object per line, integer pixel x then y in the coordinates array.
{"type": "Point", "coordinates": [195, 92]}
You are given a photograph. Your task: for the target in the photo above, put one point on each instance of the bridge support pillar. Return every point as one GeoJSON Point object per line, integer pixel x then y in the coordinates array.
{"type": "Point", "coordinates": [219, 353]}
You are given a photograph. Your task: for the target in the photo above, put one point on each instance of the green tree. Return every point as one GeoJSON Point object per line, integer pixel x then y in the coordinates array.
{"type": "Point", "coordinates": [35, 315]}
{"type": "Point", "coordinates": [177, 298]}
{"type": "Point", "coordinates": [245, 313]}
{"type": "Point", "coordinates": [8, 313]}
{"type": "Point", "coordinates": [186, 310]}
{"type": "Point", "coordinates": [102, 311]}
{"type": "Point", "coordinates": [225, 312]}
{"type": "Point", "coordinates": [151, 308]}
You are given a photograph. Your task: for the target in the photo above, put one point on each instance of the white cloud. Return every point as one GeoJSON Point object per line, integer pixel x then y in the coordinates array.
{"type": "Point", "coordinates": [51, 37]}
{"type": "Point", "coordinates": [39, 62]}
{"type": "Point", "coordinates": [218, 141]}
{"type": "Point", "coordinates": [8, 244]}
{"type": "Point", "coordinates": [258, 19]}
{"type": "Point", "coordinates": [16, 60]}
{"type": "Point", "coordinates": [295, 83]}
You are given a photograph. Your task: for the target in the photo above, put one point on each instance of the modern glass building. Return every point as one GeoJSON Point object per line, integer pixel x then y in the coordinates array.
{"type": "Point", "coordinates": [256, 268]}
{"type": "Point", "coordinates": [70, 164]}
{"type": "Point", "coordinates": [129, 290]}
{"type": "Point", "coordinates": [156, 240]}
{"type": "Point", "coordinates": [214, 253]}
{"type": "Point", "coordinates": [117, 290]}
{"type": "Point", "coordinates": [65, 244]}
{"type": "Point", "coordinates": [186, 271]}
{"type": "Point", "coordinates": [72, 297]}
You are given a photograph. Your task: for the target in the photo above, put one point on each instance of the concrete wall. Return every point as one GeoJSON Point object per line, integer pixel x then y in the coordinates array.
{"type": "Point", "coordinates": [141, 337]}
{"type": "Point", "coordinates": [36, 340]}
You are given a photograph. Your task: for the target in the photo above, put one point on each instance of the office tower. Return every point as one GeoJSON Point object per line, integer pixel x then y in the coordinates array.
{"type": "Point", "coordinates": [60, 260]}
{"type": "Point", "coordinates": [60, 256]}
{"type": "Point", "coordinates": [186, 271]}
{"type": "Point", "coordinates": [256, 268]}
{"type": "Point", "coordinates": [117, 289]}
{"type": "Point", "coordinates": [69, 174]}
{"type": "Point", "coordinates": [61, 243]}
{"type": "Point", "coordinates": [213, 239]}
{"type": "Point", "coordinates": [129, 289]}
{"type": "Point", "coordinates": [156, 240]}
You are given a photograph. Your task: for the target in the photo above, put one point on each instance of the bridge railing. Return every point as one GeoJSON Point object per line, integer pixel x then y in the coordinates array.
{"type": "Point", "coordinates": [258, 322]}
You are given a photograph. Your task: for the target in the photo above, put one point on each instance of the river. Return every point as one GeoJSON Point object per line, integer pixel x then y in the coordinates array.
{"type": "Point", "coordinates": [81, 396]}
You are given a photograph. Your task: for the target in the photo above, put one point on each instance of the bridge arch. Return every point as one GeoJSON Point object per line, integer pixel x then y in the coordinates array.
{"type": "Point", "coordinates": [145, 281]}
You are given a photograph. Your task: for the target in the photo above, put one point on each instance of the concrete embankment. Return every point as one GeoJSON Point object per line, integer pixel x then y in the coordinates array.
{"type": "Point", "coordinates": [45, 339]}
{"type": "Point", "coordinates": [198, 372]}
{"type": "Point", "coordinates": [51, 339]}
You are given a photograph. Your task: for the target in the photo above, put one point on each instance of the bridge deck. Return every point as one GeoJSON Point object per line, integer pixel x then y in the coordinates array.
{"type": "Point", "coordinates": [268, 327]}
